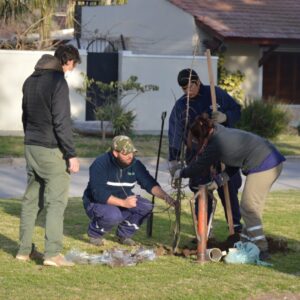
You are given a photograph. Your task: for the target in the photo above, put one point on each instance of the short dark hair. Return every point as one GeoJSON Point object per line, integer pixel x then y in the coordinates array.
{"type": "Point", "coordinates": [185, 75]}
{"type": "Point", "coordinates": [67, 52]}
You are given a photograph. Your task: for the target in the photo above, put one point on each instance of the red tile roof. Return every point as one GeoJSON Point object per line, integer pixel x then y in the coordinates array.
{"type": "Point", "coordinates": [246, 19]}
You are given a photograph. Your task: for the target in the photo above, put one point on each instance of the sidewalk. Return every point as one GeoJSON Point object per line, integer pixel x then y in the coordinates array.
{"type": "Point", "coordinates": [13, 176]}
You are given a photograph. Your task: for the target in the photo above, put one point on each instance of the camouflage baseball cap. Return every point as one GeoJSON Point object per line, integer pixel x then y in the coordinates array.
{"type": "Point", "coordinates": [123, 144]}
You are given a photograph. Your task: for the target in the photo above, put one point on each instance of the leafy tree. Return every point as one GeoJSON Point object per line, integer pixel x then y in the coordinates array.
{"type": "Point", "coordinates": [116, 96]}
{"type": "Point", "coordinates": [230, 81]}
{"type": "Point", "coordinates": [10, 10]}
{"type": "Point", "coordinates": [39, 13]}
{"type": "Point", "coordinates": [46, 10]}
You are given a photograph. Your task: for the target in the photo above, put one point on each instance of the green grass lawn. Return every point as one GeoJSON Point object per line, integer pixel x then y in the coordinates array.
{"type": "Point", "coordinates": [147, 145]}
{"type": "Point", "coordinates": [167, 277]}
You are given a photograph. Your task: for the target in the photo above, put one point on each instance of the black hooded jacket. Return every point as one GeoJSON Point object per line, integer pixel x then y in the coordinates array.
{"type": "Point", "coordinates": [46, 107]}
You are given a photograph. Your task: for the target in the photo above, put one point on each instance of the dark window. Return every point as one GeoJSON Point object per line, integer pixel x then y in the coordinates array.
{"type": "Point", "coordinates": [281, 77]}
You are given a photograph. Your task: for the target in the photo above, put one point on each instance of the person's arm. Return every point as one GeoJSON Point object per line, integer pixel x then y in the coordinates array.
{"type": "Point", "coordinates": [158, 192]}
{"type": "Point", "coordinates": [148, 183]}
{"type": "Point", "coordinates": [201, 166]}
{"type": "Point", "coordinates": [24, 113]}
{"type": "Point", "coordinates": [98, 177]}
{"type": "Point", "coordinates": [229, 107]}
{"type": "Point", "coordinates": [175, 134]}
{"type": "Point", "coordinates": [61, 114]}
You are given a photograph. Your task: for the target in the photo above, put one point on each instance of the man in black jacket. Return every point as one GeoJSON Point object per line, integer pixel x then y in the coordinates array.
{"type": "Point", "coordinates": [49, 152]}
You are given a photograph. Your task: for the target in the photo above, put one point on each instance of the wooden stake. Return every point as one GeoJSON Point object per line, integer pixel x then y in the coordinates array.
{"type": "Point", "coordinates": [214, 108]}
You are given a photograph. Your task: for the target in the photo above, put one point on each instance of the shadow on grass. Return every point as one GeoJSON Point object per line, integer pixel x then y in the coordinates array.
{"type": "Point", "coordinates": [8, 245]}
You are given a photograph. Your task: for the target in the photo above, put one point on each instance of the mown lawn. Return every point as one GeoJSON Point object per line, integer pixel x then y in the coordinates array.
{"type": "Point", "coordinates": [167, 277]}
{"type": "Point", "coordinates": [146, 144]}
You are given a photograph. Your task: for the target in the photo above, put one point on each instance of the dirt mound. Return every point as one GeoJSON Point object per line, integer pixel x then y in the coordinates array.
{"type": "Point", "coordinates": [275, 245]}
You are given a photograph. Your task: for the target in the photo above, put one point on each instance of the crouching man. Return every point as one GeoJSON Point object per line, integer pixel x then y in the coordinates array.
{"type": "Point", "coordinates": [108, 199]}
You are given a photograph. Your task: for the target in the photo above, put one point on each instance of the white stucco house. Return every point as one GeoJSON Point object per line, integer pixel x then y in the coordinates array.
{"type": "Point", "coordinates": [261, 38]}
{"type": "Point", "coordinates": [155, 39]}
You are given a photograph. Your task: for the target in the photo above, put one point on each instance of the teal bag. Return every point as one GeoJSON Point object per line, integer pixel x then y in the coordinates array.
{"type": "Point", "coordinates": [244, 253]}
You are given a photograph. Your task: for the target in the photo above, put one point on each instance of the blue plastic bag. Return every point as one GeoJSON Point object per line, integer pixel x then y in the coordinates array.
{"type": "Point", "coordinates": [244, 253]}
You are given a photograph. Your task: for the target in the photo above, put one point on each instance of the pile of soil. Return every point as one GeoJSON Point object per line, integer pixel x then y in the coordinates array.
{"type": "Point", "coordinates": [275, 245]}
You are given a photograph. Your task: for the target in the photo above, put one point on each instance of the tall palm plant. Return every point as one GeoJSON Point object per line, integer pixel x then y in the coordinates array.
{"type": "Point", "coordinates": [46, 9]}
{"type": "Point", "coordinates": [10, 10]}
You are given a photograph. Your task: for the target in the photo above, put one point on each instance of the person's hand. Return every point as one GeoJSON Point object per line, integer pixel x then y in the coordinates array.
{"type": "Point", "coordinates": [176, 179]}
{"type": "Point", "coordinates": [211, 186]}
{"type": "Point", "coordinates": [174, 165]}
{"type": "Point", "coordinates": [218, 117]}
{"type": "Point", "coordinates": [176, 175]}
{"type": "Point", "coordinates": [130, 201]}
{"type": "Point", "coordinates": [172, 202]}
{"type": "Point", "coordinates": [73, 165]}
{"type": "Point", "coordinates": [218, 181]}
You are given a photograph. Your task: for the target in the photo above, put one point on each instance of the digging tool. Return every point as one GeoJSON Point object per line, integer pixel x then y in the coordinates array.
{"type": "Point", "coordinates": [214, 109]}
{"type": "Point", "coordinates": [150, 219]}
{"type": "Point", "coordinates": [211, 216]}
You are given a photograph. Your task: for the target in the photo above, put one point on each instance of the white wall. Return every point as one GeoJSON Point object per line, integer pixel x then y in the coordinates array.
{"type": "Point", "coordinates": [16, 66]}
{"type": "Point", "coordinates": [245, 58]}
{"type": "Point", "coordinates": [162, 71]}
{"type": "Point", "coordinates": [153, 26]}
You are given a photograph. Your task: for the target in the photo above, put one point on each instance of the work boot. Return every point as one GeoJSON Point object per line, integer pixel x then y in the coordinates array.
{"type": "Point", "coordinates": [127, 241]}
{"type": "Point", "coordinates": [58, 261]}
{"type": "Point", "coordinates": [238, 228]}
{"type": "Point", "coordinates": [34, 255]}
{"type": "Point", "coordinates": [97, 241]}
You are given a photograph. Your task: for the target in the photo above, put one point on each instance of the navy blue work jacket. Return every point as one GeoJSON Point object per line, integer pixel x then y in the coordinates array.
{"type": "Point", "coordinates": [108, 178]}
{"type": "Point", "coordinates": [198, 105]}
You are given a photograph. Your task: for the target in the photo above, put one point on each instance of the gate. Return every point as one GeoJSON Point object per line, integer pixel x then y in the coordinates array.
{"type": "Point", "coordinates": [101, 67]}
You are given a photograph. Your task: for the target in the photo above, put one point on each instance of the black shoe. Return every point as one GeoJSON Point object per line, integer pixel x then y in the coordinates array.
{"type": "Point", "coordinates": [264, 255]}
{"type": "Point", "coordinates": [97, 241]}
{"type": "Point", "coordinates": [238, 229]}
{"type": "Point", "coordinates": [126, 241]}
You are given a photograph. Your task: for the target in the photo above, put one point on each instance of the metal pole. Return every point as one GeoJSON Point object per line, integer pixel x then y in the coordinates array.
{"type": "Point", "coordinates": [202, 224]}
{"type": "Point", "coordinates": [150, 219]}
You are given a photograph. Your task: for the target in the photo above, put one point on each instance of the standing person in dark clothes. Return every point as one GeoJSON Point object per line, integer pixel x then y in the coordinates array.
{"type": "Point", "coordinates": [229, 112]}
{"type": "Point", "coordinates": [259, 160]}
{"type": "Point", "coordinates": [109, 200]}
{"type": "Point", "coordinates": [49, 152]}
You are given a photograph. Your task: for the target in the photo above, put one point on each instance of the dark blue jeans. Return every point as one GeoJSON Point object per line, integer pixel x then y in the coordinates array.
{"type": "Point", "coordinates": [104, 217]}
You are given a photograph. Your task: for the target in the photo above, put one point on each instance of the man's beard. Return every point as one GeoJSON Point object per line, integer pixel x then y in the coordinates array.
{"type": "Point", "coordinates": [122, 164]}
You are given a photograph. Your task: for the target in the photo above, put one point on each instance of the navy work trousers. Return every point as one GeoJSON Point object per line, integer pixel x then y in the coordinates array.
{"type": "Point", "coordinates": [104, 217]}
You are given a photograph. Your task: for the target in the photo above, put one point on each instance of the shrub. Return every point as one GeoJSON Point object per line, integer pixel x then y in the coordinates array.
{"type": "Point", "coordinates": [264, 118]}
{"type": "Point", "coordinates": [231, 82]}
{"type": "Point", "coordinates": [115, 96]}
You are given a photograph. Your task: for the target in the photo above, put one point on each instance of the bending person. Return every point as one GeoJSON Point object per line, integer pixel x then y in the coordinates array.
{"type": "Point", "coordinates": [197, 100]}
{"type": "Point", "coordinates": [109, 200]}
{"type": "Point", "coordinates": [258, 159]}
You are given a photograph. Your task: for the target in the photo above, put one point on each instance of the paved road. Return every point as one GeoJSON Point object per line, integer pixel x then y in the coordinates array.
{"type": "Point", "coordinates": [13, 176]}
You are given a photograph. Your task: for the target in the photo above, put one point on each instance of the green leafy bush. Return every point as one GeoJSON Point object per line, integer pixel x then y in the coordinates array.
{"type": "Point", "coordinates": [264, 118]}
{"type": "Point", "coordinates": [231, 82]}
{"type": "Point", "coordinates": [116, 96]}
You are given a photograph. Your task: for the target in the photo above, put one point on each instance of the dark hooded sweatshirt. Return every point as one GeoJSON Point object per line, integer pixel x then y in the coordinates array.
{"type": "Point", "coordinates": [46, 107]}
